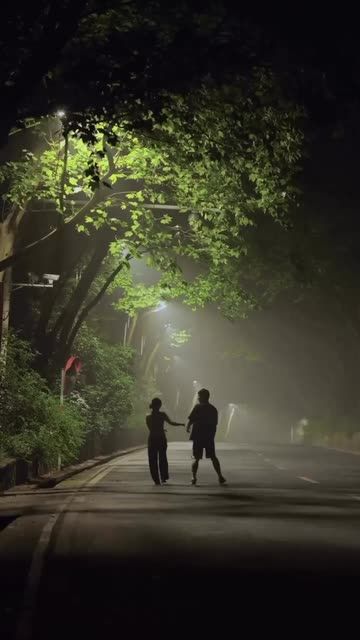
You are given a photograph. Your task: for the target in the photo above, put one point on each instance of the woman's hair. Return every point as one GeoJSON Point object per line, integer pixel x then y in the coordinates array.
{"type": "Point", "coordinates": [155, 403]}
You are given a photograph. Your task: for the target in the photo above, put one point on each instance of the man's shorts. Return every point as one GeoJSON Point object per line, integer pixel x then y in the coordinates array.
{"type": "Point", "coordinates": [200, 445]}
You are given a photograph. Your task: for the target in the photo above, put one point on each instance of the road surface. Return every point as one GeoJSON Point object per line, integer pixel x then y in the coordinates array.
{"type": "Point", "coordinates": [108, 553]}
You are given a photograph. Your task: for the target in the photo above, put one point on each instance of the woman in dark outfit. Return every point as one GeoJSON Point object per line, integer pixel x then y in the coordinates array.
{"type": "Point", "coordinates": [157, 443]}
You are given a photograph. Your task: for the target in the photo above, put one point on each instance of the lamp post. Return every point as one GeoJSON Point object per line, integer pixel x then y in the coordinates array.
{"type": "Point", "coordinates": [231, 415]}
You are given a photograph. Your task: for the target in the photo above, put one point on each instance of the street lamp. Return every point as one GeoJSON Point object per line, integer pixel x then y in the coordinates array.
{"type": "Point", "coordinates": [34, 281]}
{"type": "Point", "coordinates": [159, 307]}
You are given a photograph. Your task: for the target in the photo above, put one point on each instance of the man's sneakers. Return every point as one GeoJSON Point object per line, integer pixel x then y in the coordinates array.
{"type": "Point", "coordinates": [194, 480]}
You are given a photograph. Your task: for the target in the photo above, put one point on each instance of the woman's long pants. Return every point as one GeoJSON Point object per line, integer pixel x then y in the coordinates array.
{"type": "Point", "coordinates": [158, 462]}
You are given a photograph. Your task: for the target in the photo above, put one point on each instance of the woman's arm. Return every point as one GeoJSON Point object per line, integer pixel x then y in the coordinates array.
{"type": "Point", "coordinates": [174, 424]}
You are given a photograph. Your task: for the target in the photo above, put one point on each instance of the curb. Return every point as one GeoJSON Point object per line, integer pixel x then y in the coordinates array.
{"type": "Point", "coordinates": [51, 480]}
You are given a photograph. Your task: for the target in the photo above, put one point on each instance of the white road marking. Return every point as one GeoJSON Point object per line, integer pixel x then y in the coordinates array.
{"type": "Point", "coordinates": [24, 627]}
{"type": "Point", "coordinates": [100, 475]}
{"type": "Point", "coordinates": [308, 479]}
{"type": "Point", "coordinates": [280, 468]}
{"type": "Point", "coordinates": [356, 497]}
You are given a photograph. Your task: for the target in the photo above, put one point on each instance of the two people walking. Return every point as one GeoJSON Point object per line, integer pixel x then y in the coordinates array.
{"type": "Point", "coordinates": [202, 423]}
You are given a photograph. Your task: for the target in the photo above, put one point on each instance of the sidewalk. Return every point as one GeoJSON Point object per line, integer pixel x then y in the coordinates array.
{"type": "Point", "coordinates": [52, 479]}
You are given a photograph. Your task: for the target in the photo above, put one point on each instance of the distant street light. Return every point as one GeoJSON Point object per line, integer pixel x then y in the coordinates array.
{"type": "Point", "coordinates": [162, 305]}
{"type": "Point", "coordinates": [159, 307]}
{"type": "Point", "coordinates": [60, 113]}
{"type": "Point", "coordinates": [197, 387]}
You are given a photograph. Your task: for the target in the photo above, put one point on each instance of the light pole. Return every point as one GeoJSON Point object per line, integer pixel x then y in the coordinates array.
{"type": "Point", "coordinates": [126, 329]}
{"type": "Point", "coordinates": [231, 415]}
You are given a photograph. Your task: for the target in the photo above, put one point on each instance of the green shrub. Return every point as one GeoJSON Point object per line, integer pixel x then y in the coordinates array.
{"type": "Point", "coordinates": [32, 423]}
{"type": "Point", "coordinates": [107, 381]}
{"type": "Point", "coordinates": [327, 425]}
{"type": "Point", "coordinates": [144, 390]}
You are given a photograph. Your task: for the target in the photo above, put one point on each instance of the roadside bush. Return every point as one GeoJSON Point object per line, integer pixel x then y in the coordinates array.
{"type": "Point", "coordinates": [329, 425]}
{"type": "Point", "coordinates": [106, 383]}
{"type": "Point", "coordinates": [144, 390]}
{"type": "Point", "coordinates": [32, 423]}
{"type": "Point", "coordinates": [318, 427]}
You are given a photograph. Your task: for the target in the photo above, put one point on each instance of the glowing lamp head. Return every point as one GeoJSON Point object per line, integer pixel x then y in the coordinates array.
{"type": "Point", "coordinates": [159, 307]}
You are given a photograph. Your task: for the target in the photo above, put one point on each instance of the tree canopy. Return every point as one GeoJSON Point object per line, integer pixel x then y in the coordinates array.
{"type": "Point", "coordinates": [184, 190]}
{"type": "Point", "coordinates": [106, 59]}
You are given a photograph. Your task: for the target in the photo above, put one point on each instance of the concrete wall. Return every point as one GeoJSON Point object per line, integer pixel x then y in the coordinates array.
{"type": "Point", "coordinates": [13, 472]}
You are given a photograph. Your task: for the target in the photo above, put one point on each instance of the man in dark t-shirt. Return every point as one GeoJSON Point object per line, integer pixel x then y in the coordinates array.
{"type": "Point", "coordinates": [203, 419]}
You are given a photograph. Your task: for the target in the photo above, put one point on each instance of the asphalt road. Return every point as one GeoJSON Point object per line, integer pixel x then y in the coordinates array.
{"type": "Point", "coordinates": [108, 553]}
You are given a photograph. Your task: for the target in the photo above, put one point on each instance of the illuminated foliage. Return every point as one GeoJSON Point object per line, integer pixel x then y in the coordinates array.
{"type": "Point", "coordinates": [185, 191]}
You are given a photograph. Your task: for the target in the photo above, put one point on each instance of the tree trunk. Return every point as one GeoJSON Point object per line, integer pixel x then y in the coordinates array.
{"type": "Point", "coordinates": [8, 233]}
{"type": "Point", "coordinates": [132, 329]}
{"type": "Point", "coordinates": [51, 297]}
{"type": "Point", "coordinates": [86, 310]}
{"type": "Point", "coordinates": [67, 319]}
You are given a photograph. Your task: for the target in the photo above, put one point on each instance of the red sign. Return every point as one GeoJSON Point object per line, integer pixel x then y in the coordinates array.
{"type": "Point", "coordinates": [73, 362]}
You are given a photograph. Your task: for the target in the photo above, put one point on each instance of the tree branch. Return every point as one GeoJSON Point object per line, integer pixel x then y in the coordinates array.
{"type": "Point", "coordinates": [51, 297]}
{"type": "Point", "coordinates": [101, 194]}
{"type": "Point", "coordinates": [78, 217]}
{"type": "Point", "coordinates": [66, 319]}
{"type": "Point", "coordinates": [86, 310]}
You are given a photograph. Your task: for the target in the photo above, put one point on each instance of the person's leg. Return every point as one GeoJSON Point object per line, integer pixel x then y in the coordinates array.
{"type": "Point", "coordinates": [163, 462]}
{"type": "Point", "coordinates": [153, 462]}
{"type": "Point", "coordinates": [216, 465]}
{"type": "Point", "coordinates": [194, 468]}
{"type": "Point", "coordinates": [197, 454]}
{"type": "Point", "coordinates": [211, 453]}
